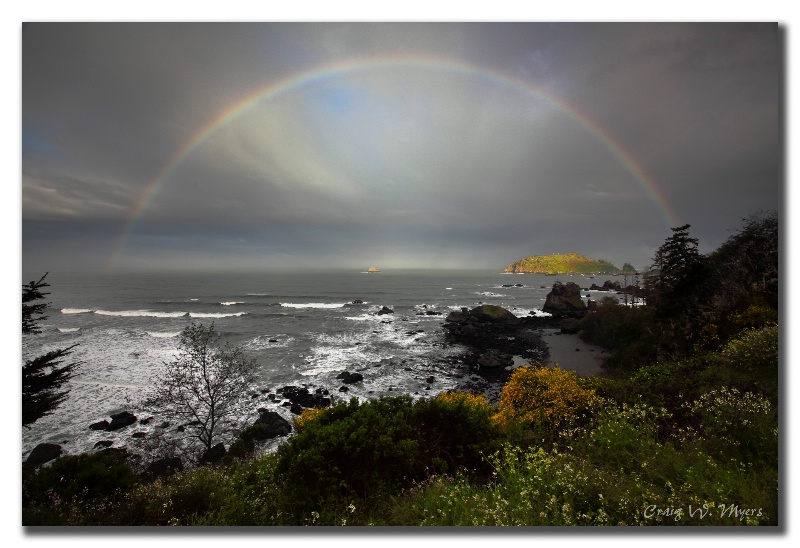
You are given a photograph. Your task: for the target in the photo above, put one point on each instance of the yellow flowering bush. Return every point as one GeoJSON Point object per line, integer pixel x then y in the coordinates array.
{"type": "Point", "coordinates": [476, 401]}
{"type": "Point", "coordinates": [538, 395]}
{"type": "Point", "coordinates": [308, 415]}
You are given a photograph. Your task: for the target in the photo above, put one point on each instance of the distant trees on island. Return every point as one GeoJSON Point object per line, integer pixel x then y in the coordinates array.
{"type": "Point", "coordinates": [568, 263]}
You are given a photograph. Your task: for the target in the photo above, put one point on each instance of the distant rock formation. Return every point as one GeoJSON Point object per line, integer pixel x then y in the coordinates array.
{"type": "Point", "coordinates": [564, 301]}
{"type": "Point", "coordinates": [372, 269]}
{"type": "Point", "coordinates": [568, 263]}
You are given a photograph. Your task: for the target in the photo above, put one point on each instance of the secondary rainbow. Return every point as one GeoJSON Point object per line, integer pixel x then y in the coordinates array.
{"type": "Point", "coordinates": [328, 71]}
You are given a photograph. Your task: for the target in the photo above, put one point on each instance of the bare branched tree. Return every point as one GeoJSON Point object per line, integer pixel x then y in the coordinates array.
{"type": "Point", "coordinates": [204, 389]}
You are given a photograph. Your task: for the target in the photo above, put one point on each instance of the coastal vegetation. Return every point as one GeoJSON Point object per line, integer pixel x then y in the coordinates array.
{"type": "Point", "coordinates": [682, 429]}
{"type": "Point", "coordinates": [567, 263]}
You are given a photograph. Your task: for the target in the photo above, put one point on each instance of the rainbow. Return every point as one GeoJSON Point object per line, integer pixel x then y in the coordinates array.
{"type": "Point", "coordinates": [318, 74]}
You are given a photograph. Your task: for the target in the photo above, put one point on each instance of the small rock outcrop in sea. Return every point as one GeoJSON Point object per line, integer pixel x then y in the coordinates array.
{"type": "Point", "coordinates": [372, 270]}
{"type": "Point", "coordinates": [350, 378]}
{"type": "Point", "coordinates": [42, 453]}
{"type": "Point", "coordinates": [385, 310]}
{"type": "Point", "coordinates": [488, 328]}
{"type": "Point", "coordinates": [121, 420]}
{"type": "Point", "coordinates": [302, 396]}
{"type": "Point", "coordinates": [564, 301]}
{"type": "Point", "coordinates": [101, 425]}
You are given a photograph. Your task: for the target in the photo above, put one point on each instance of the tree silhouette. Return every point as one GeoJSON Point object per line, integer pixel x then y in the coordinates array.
{"type": "Point", "coordinates": [43, 377]}
{"type": "Point", "coordinates": [205, 388]}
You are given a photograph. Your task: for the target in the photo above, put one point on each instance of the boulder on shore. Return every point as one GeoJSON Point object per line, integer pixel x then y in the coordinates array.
{"type": "Point", "coordinates": [214, 454]}
{"type": "Point", "coordinates": [276, 426]}
{"type": "Point", "coordinates": [42, 453]}
{"type": "Point", "coordinates": [564, 301]}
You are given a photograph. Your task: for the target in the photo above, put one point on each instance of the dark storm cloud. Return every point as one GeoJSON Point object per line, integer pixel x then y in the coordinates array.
{"type": "Point", "coordinates": [406, 164]}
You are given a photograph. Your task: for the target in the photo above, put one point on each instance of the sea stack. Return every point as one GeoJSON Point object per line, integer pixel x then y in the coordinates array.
{"type": "Point", "coordinates": [372, 269]}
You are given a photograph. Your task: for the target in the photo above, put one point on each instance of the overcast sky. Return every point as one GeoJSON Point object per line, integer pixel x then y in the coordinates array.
{"type": "Point", "coordinates": [283, 145]}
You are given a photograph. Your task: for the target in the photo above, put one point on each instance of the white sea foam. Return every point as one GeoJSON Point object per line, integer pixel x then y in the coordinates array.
{"type": "Point", "coordinates": [229, 303]}
{"type": "Point", "coordinates": [215, 314]}
{"type": "Point", "coordinates": [68, 329]}
{"type": "Point", "coordinates": [490, 294]}
{"type": "Point", "coordinates": [313, 305]}
{"type": "Point", "coordinates": [141, 313]}
{"type": "Point", "coordinates": [163, 334]}
{"type": "Point", "coordinates": [76, 310]}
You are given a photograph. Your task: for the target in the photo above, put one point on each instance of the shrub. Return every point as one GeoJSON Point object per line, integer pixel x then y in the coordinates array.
{"type": "Point", "coordinates": [543, 396]}
{"type": "Point", "coordinates": [307, 416]}
{"type": "Point", "coordinates": [755, 350]}
{"type": "Point", "coordinates": [740, 425]}
{"type": "Point", "coordinates": [88, 476]}
{"type": "Point", "coordinates": [366, 450]}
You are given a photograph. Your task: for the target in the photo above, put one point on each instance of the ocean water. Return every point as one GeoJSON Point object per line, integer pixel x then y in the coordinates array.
{"type": "Point", "coordinates": [301, 327]}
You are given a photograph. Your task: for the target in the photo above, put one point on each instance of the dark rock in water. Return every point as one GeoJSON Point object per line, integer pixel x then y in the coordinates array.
{"type": "Point", "coordinates": [139, 434]}
{"type": "Point", "coordinates": [457, 317]}
{"type": "Point", "coordinates": [357, 301]}
{"type": "Point", "coordinates": [494, 358]}
{"type": "Point", "coordinates": [432, 313]}
{"type": "Point", "coordinates": [273, 340]}
{"type": "Point", "coordinates": [42, 453]}
{"type": "Point", "coordinates": [146, 421]}
{"type": "Point", "coordinates": [564, 301]}
{"type": "Point", "coordinates": [278, 426]}
{"type": "Point", "coordinates": [385, 310]}
{"type": "Point", "coordinates": [296, 408]}
{"type": "Point", "coordinates": [491, 313]}
{"type": "Point", "coordinates": [103, 443]}
{"type": "Point", "coordinates": [121, 420]}
{"type": "Point", "coordinates": [102, 425]}
{"type": "Point", "coordinates": [163, 467]}
{"type": "Point", "coordinates": [343, 389]}
{"type": "Point", "coordinates": [214, 454]}
{"type": "Point", "coordinates": [350, 378]}
{"type": "Point", "coordinates": [164, 424]}
{"type": "Point", "coordinates": [430, 380]}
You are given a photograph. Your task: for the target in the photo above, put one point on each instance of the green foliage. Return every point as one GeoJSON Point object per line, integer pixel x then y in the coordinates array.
{"type": "Point", "coordinates": [569, 263]}
{"type": "Point", "coordinates": [737, 425]}
{"type": "Point", "coordinates": [365, 450]}
{"type": "Point", "coordinates": [84, 477]}
{"type": "Point", "coordinates": [756, 350]}
{"type": "Point", "coordinates": [746, 265]}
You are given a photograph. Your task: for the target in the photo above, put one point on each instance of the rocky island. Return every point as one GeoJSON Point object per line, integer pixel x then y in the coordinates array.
{"type": "Point", "coordinates": [372, 269]}
{"type": "Point", "coordinates": [568, 263]}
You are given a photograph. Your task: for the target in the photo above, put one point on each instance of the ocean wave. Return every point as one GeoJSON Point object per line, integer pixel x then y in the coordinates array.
{"type": "Point", "coordinates": [141, 313]}
{"type": "Point", "coordinates": [489, 294]}
{"type": "Point", "coordinates": [164, 334]}
{"type": "Point", "coordinates": [313, 305]}
{"type": "Point", "coordinates": [76, 310]}
{"type": "Point", "coordinates": [215, 314]}
{"type": "Point", "coordinates": [68, 329]}
{"type": "Point", "coordinates": [229, 303]}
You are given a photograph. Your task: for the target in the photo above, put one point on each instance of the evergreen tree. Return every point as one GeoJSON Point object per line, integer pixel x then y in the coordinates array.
{"type": "Point", "coordinates": [43, 377]}
{"type": "Point", "coordinates": [682, 276]}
